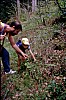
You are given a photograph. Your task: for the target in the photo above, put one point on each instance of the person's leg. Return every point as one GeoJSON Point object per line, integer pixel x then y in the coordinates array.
{"type": "Point", "coordinates": [5, 60]}
{"type": "Point", "coordinates": [19, 62]}
{"type": "Point", "coordinates": [23, 64]}
{"type": "Point", "coordinates": [21, 59]}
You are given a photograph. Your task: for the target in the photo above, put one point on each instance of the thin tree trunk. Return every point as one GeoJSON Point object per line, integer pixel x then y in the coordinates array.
{"type": "Point", "coordinates": [18, 9]}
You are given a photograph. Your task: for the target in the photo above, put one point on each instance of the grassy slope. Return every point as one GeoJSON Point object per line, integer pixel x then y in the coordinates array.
{"type": "Point", "coordinates": [44, 79]}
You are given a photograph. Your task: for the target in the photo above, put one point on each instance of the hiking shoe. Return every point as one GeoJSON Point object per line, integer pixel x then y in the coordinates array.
{"type": "Point", "coordinates": [10, 72]}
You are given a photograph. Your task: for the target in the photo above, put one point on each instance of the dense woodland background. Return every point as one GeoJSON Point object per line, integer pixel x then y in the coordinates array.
{"type": "Point", "coordinates": [44, 24]}
{"type": "Point", "coordinates": [14, 8]}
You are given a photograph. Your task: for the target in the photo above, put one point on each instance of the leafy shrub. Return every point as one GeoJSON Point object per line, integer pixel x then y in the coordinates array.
{"type": "Point", "coordinates": [56, 91]}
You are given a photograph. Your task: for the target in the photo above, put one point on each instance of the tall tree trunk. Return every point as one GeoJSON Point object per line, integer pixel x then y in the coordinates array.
{"type": "Point", "coordinates": [34, 5]}
{"type": "Point", "coordinates": [18, 9]}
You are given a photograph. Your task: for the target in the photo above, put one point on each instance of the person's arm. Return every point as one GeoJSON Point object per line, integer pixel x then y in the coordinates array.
{"type": "Point", "coordinates": [32, 55]}
{"type": "Point", "coordinates": [11, 39]}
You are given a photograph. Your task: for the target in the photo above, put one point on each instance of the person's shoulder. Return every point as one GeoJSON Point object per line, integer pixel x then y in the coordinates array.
{"type": "Point", "coordinates": [19, 42]}
{"type": "Point", "coordinates": [3, 24]}
{"type": "Point", "coordinates": [28, 47]}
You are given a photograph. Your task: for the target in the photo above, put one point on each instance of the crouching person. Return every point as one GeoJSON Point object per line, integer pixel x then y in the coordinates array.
{"type": "Point", "coordinates": [23, 44]}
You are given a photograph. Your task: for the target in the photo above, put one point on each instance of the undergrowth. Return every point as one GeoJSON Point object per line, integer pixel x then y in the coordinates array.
{"type": "Point", "coordinates": [44, 79]}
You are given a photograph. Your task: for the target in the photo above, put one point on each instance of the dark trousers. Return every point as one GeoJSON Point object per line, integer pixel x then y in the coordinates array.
{"type": "Point", "coordinates": [5, 60]}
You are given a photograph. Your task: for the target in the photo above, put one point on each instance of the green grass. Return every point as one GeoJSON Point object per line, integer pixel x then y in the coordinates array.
{"type": "Point", "coordinates": [43, 79]}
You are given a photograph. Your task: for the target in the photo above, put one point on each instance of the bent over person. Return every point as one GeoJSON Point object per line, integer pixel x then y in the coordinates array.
{"type": "Point", "coordinates": [9, 30]}
{"type": "Point", "coordinates": [23, 44]}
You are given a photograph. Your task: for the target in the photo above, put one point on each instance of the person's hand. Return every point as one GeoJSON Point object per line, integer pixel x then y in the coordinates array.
{"type": "Point", "coordinates": [2, 36]}
{"type": "Point", "coordinates": [25, 55]}
{"type": "Point", "coordinates": [34, 60]}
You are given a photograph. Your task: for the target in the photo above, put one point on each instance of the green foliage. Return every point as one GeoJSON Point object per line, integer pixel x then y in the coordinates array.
{"type": "Point", "coordinates": [56, 91]}
{"type": "Point", "coordinates": [43, 79]}
{"type": "Point", "coordinates": [62, 6]}
{"type": "Point", "coordinates": [62, 3]}
{"type": "Point", "coordinates": [7, 9]}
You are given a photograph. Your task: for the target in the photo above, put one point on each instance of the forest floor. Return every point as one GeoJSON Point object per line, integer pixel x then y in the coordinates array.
{"type": "Point", "coordinates": [44, 79]}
